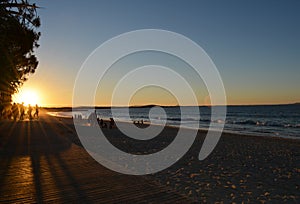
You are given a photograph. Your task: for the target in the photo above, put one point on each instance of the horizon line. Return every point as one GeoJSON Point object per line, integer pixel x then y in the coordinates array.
{"type": "Point", "coordinates": [152, 105]}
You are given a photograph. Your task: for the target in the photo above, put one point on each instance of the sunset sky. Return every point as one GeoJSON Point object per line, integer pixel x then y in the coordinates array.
{"type": "Point", "coordinates": [254, 44]}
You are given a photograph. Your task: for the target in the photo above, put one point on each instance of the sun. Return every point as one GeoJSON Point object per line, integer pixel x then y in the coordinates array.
{"type": "Point", "coordinates": [27, 97]}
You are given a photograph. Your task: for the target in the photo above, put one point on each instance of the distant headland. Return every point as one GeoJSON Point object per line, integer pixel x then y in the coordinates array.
{"type": "Point", "coordinates": [149, 106]}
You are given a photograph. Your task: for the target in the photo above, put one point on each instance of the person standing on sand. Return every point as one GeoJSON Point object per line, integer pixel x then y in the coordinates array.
{"type": "Point", "coordinates": [101, 122]}
{"type": "Point", "coordinates": [22, 111]}
{"type": "Point", "coordinates": [36, 114]}
{"type": "Point", "coordinates": [29, 112]}
{"type": "Point", "coordinates": [92, 119]}
{"type": "Point", "coordinates": [15, 111]}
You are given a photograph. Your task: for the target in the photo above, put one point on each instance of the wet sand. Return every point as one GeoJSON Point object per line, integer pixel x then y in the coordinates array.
{"type": "Point", "coordinates": [241, 168]}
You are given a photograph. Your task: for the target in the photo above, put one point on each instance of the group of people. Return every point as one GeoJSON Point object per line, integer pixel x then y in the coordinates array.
{"type": "Point", "coordinates": [20, 112]}
{"type": "Point", "coordinates": [137, 122]}
{"type": "Point", "coordinates": [103, 124]}
{"type": "Point", "coordinates": [94, 120]}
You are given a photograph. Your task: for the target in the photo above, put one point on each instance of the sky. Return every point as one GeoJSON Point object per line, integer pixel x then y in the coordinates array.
{"type": "Point", "coordinates": [254, 44]}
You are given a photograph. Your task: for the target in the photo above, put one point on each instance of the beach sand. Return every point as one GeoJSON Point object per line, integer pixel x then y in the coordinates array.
{"type": "Point", "coordinates": [43, 160]}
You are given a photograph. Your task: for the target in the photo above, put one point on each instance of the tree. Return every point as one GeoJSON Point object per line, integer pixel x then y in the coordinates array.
{"type": "Point", "coordinates": [18, 40]}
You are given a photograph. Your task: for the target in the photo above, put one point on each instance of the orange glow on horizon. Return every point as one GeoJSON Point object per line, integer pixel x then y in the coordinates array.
{"type": "Point", "coordinates": [27, 96]}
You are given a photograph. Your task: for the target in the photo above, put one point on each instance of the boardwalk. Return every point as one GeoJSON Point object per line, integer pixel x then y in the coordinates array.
{"type": "Point", "coordinates": [38, 164]}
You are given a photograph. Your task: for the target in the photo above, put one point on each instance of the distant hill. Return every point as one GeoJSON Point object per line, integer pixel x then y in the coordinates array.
{"type": "Point", "coordinates": [146, 106]}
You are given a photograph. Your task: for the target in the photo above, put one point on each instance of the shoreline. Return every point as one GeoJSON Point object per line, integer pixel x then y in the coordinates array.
{"type": "Point", "coordinates": [292, 138]}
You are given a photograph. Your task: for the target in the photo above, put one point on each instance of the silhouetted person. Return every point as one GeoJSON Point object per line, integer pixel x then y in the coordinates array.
{"type": "Point", "coordinates": [15, 111]}
{"type": "Point", "coordinates": [92, 119]}
{"type": "Point", "coordinates": [6, 112]}
{"type": "Point", "coordinates": [22, 111]}
{"type": "Point", "coordinates": [111, 123]}
{"type": "Point", "coordinates": [29, 111]}
{"type": "Point", "coordinates": [101, 123]}
{"type": "Point", "coordinates": [36, 114]}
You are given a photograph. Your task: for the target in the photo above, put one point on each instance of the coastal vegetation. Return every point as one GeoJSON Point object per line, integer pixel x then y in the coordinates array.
{"type": "Point", "coordinates": [18, 40]}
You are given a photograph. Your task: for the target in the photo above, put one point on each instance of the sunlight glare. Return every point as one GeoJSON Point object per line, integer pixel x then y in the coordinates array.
{"type": "Point", "coordinates": [26, 96]}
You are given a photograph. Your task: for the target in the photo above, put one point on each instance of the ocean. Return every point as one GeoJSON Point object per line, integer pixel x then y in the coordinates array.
{"type": "Point", "coordinates": [258, 120]}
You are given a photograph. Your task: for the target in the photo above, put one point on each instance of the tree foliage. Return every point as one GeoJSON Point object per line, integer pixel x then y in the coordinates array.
{"type": "Point", "coordinates": [18, 40]}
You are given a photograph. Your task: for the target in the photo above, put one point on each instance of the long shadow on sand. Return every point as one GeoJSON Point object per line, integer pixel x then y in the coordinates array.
{"type": "Point", "coordinates": [31, 157]}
